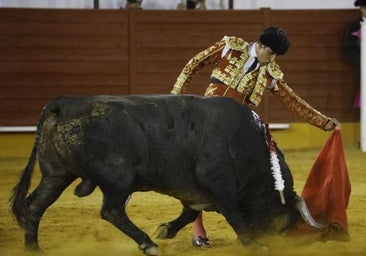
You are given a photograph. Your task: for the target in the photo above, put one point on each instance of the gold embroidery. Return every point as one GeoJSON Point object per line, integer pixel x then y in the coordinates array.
{"type": "Point", "coordinates": [210, 91]}
{"type": "Point", "coordinates": [232, 74]}
{"type": "Point", "coordinates": [230, 68]}
{"type": "Point", "coordinates": [235, 43]}
{"type": "Point", "coordinates": [253, 85]}
{"type": "Point", "coordinates": [274, 70]}
{"type": "Point", "coordinates": [196, 63]}
{"type": "Point", "coordinates": [300, 107]}
{"type": "Point", "coordinates": [226, 91]}
{"type": "Point", "coordinates": [257, 93]}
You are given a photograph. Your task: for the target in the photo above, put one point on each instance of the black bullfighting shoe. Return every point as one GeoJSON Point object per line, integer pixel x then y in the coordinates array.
{"type": "Point", "coordinates": [200, 241]}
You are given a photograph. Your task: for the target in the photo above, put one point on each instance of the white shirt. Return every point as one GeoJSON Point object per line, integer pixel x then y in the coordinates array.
{"type": "Point", "coordinates": [251, 59]}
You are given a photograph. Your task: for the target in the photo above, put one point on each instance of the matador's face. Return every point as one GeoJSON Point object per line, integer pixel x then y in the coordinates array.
{"type": "Point", "coordinates": [264, 54]}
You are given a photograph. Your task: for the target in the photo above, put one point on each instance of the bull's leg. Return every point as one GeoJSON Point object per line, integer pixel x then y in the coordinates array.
{"type": "Point", "coordinates": [224, 192]}
{"type": "Point", "coordinates": [227, 205]}
{"type": "Point", "coordinates": [170, 229]}
{"type": "Point", "coordinates": [233, 217]}
{"type": "Point", "coordinates": [114, 211]}
{"type": "Point", "coordinates": [47, 192]}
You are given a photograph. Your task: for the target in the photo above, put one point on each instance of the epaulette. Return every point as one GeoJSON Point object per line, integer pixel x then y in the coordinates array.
{"type": "Point", "coordinates": [235, 43]}
{"type": "Point", "coordinates": [274, 70]}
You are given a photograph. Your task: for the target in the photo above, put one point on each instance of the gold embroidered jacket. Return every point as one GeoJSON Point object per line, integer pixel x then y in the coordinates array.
{"type": "Point", "coordinates": [229, 69]}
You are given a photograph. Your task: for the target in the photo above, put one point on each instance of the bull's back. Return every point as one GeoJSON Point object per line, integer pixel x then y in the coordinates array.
{"type": "Point", "coordinates": [145, 124]}
{"type": "Point", "coordinates": [182, 115]}
{"type": "Point", "coordinates": [149, 135]}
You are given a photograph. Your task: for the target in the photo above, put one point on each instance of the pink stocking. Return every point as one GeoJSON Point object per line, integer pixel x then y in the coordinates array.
{"type": "Point", "coordinates": [199, 229]}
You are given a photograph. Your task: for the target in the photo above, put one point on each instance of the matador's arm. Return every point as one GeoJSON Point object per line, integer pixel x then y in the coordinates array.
{"type": "Point", "coordinates": [301, 108]}
{"type": "Point", "coordinates": [207, 56]}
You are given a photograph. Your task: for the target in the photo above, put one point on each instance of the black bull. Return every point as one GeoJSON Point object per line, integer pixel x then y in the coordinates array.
{"type": "Point", "coordinates": [209, 153]}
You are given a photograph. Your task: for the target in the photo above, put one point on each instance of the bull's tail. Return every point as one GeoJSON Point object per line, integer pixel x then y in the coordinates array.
{"type": "Point", "coordinates": [18, 199]}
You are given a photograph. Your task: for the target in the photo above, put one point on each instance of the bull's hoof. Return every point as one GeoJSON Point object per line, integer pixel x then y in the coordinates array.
{"type": "Point", "coordinates": [33, 249]}
{"type": "Point", "coordinates": [163, 231]}
{"type": "Point", "coordinates": [149, 250]}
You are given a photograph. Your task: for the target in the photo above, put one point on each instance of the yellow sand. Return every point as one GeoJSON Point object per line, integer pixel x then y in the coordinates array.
{"type": "Point", "coordinates": [72, 226]}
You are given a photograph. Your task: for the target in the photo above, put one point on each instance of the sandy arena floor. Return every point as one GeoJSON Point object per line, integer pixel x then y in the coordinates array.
{"type": "Point", "coordinates": [72, 226]}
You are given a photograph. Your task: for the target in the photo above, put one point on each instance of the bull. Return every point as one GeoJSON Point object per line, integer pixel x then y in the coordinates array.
{"type": "Point", "coordinates": [210, 153]}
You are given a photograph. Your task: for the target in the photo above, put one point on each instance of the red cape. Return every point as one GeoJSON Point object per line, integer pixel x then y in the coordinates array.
{"type": "Point", "coordinates": [328, 188]}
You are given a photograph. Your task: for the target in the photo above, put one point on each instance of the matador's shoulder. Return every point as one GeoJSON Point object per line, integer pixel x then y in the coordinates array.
{"type": "Point", "coordinates": [235, 43]}
{"type": "Point", "coordinates": [274, 70]}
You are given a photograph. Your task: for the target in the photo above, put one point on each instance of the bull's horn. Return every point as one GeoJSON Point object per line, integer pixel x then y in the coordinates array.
{"type": "Point", "coordinates": [305, 214]}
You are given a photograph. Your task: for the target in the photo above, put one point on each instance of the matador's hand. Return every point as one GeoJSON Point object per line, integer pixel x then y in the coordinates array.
{"type": "Point", "coordinates": [331, 124]}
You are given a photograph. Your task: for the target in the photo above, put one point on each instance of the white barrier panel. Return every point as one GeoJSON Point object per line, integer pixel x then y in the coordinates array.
{"type": "Point", "coordinates": [363, 87]}
{"type": "Point", "coordinates": [17, 129]}
{"type": "Point", "coordinates": [274, 126]}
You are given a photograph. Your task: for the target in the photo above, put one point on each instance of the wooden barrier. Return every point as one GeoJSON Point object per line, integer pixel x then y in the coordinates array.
{"type": "Point", "coordinates": [46, 53]}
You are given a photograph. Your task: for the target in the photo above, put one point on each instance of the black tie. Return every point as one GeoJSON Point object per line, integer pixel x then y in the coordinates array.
{"type": "Point", "coordinates": [253, 66]}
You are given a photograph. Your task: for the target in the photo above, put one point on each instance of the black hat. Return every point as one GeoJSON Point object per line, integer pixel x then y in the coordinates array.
{"type": "Point", "coordinates": [360, 2]}
{"type": "Point", "coordinates": [275, 39]}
